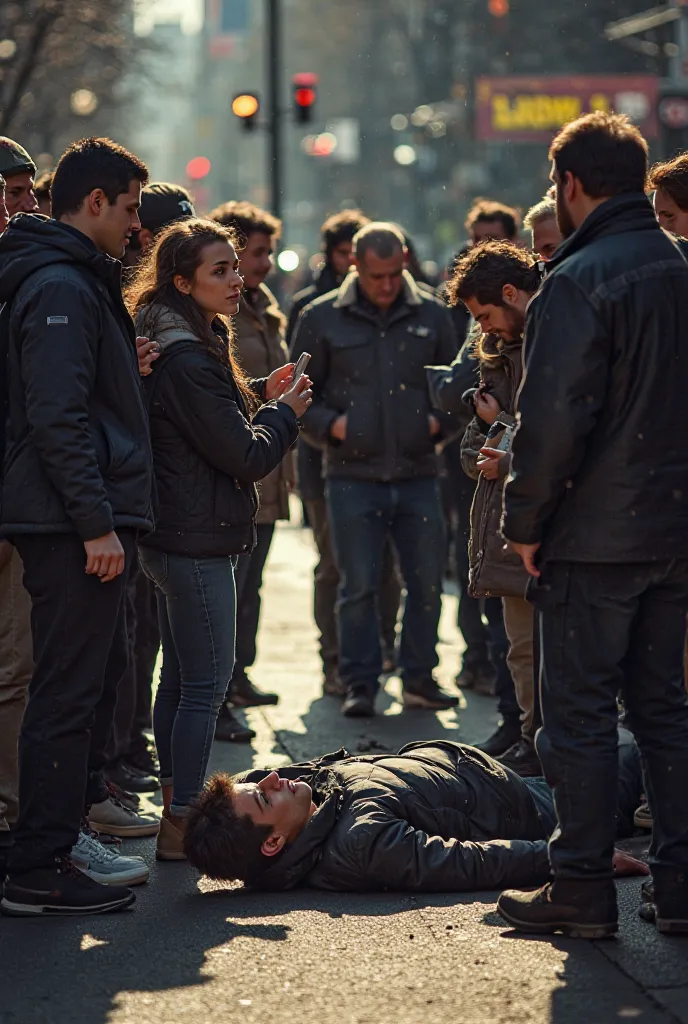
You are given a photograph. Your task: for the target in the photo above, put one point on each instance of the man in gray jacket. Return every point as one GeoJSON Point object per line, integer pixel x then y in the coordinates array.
{"type": "Point", "coordinates": [370, 342]}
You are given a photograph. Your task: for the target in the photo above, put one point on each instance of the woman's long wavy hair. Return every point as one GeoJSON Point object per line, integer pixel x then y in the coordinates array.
{"type": "Point", "coordinates": [178, 249]}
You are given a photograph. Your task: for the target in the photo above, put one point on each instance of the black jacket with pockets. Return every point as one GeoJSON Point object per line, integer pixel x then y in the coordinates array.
{"type": "Point", "coordinates": [373, 369]}
{"type": "Point", "coordinates": [600, 458]}
{"type": "Point", "coordinates": [77, 451]}
{"type": "Point", "coordinates": [436, 817]}
{"type": "Point", "coordinates": [207, 455]}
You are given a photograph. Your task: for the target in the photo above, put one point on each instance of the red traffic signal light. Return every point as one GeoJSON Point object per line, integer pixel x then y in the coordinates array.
{"type": "Point", "coordinates": [305, 94]}
{"type": "Point", "coordinates": [498, 8]}
{"type": "Point", "coordinates": [246, 106]}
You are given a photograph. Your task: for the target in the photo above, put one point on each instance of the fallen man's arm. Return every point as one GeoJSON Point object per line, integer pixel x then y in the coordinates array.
{"type": "Point", "coordinates": [391, 854]}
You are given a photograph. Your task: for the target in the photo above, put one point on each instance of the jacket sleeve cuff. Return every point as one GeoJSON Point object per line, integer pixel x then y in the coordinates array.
{"type": "Point", "coordinates": [96, 525]}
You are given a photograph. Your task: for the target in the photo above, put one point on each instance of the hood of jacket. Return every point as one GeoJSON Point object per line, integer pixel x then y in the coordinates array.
{"type": "Point", "coordinates": [620, 214]}
{"type": "Point", "coordinates": [299, 859]}
{"type": "Point", "coordinates": [163, 325]}
{"type": "Point", "coordinates": [32, 242]}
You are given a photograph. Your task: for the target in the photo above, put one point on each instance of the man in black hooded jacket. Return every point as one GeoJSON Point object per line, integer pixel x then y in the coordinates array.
{"type": "Point", "coordinates": [76, 490]}
{"type": "Point", "coordinates": [597, 506]}
{"type": "Point", "coordinates": [436, 816]}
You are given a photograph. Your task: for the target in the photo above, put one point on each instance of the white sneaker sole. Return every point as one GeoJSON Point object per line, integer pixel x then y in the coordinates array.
{"type": "Point", "coordinates": [134, 876]}
{"type": "Point", "coordinates": [37, 910]}
{"type": "Point", "coordinates": [124, 831]}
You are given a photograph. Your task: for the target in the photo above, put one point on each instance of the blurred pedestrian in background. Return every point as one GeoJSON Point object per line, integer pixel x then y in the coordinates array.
{"type": "Point", "coordinates": [259, 331]}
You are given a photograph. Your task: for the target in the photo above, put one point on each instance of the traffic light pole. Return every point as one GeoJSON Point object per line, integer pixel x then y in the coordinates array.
{"type": "Point", "coordinates": [274, 76]}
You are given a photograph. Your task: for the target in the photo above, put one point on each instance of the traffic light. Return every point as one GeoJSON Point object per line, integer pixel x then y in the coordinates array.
{"type": "Point", "coordinates": [498, 8]}
{"type": "Point", "coordinates": [246, 107]}
{"type": "Point", "coordinates": [304, 91]}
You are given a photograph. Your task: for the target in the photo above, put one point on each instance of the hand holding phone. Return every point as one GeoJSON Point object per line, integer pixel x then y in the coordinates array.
{"type": "Point", "coordinates": [301, 364]}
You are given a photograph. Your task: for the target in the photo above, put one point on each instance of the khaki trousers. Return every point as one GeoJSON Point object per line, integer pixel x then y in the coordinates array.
{"type": "Point", "coordinates": [518, 622]}
{"type": "Point", "coordinates": [16, 668]}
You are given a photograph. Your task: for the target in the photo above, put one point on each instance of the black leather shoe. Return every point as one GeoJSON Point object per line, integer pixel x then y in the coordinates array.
{"type": "Point", "coordinates": [230, 730]}
{"type": "Point", "coordinates": [506, 734]}
{"type": "Point", "coordinates": [132, 781]}
{"type": "Point", "coordinates": [243, 694]}
{"type": "Point", "coordinates": [522, 759]}
{"type": "Point", "coordinates": [359, 702]}
{"type": "Point", "coordinates": [425, 693]}
{"type": "Point", "coordinates": [581, 910]}
{"type": "Point", "coordinates": [143, 759]}
{"type": "Point", "coordinates": [665, 901]}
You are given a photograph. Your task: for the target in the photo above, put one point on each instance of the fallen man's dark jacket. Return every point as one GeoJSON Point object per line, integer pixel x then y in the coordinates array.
{"type": "Point", "coordinates": [436, 816]}
{"type": "Point", "coordinates": [424, 819]}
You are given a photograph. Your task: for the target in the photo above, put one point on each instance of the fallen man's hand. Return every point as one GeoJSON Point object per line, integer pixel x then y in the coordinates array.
{"type": "Point", "coordinates": [625, 865]}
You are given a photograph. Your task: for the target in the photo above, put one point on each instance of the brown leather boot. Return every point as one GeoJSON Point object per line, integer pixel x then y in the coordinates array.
{"type": "Point", "coordinates": [170, 844]}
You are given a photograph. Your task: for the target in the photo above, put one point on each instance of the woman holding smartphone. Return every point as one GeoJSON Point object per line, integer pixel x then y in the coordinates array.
{"type": "Point", "coordinates": [213, 437]}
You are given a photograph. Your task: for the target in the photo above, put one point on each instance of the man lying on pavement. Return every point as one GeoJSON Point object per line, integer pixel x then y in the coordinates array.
{"type": "Point", "coordinates": [437, 816]}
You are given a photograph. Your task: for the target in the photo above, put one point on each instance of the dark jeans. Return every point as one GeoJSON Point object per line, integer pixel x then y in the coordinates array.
{"type": "Point", "coordinates": [197, 613]}
{"type": "Point", "coordinates": [326, 587]}
{"type": "Point", "coordinates": [630, 790]}
{"type": "Point", "coordinates": [80, 652]}
{"type": "Point", "coordinates": [363, 514]}
{"type": "Point", "coordinates": [249, 580]}
{"type": "Point", "coordinates": [605, 629]}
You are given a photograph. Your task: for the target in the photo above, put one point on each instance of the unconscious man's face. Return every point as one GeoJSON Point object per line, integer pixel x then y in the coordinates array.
{"type": "Point", "coordinates": [284, 805]}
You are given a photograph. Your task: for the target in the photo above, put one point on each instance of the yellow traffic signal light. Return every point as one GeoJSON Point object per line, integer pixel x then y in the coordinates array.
{"type": "Point", "coordinates": [246, 106]}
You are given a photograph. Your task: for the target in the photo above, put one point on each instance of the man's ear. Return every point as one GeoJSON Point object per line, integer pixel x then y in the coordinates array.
{"type": "Point", "coordinates": [95, 201]}
{"type": "Point", "coordinates": [273, 844]}
{"type": "Point", "coordinates": [146, 239]}
{"type": "Point", "coordinates": [571, 186]}
{"type": "Point", "coordinates": [510, 294]}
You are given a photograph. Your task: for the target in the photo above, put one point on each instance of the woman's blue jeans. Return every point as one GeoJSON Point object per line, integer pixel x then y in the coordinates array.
{"type": "Point", "coordinates": [197, 611]}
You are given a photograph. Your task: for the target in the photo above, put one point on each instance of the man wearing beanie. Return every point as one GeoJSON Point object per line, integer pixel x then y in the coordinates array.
{"type": "Point", "coordinates": [161, 204]}
{"type": "Point", "coordinates": [18, 170]}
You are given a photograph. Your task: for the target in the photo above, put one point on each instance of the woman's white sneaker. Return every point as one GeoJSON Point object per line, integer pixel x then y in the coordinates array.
{"type": "Point", "coordinates": [103, 865]}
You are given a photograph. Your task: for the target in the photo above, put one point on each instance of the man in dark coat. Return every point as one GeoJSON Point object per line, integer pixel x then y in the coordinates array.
{"type": "Point", "coordinates": [597, 507]}
{"type": "Point", "coordinates": [370, 342]}
{"type": "Point", "coordinates": [76, 490]}
{"type": "Point", "coordinates": [436, 816]}
{"type": "Point", "coordinates": [338, 233]}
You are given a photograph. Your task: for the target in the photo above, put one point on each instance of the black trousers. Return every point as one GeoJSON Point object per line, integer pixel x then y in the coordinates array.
{"type": "Point", "coordinates": [78, 626]}
{"type": "Point", "coordinates": [605, 629]}
{"type": "Point", "coordinates": [249, 580]}
{"type": "Point", "coordinates": [134, 695]}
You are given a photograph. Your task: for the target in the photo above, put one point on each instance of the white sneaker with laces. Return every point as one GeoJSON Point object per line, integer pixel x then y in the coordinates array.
{"type": "Point", "coordinates": [105, 866]}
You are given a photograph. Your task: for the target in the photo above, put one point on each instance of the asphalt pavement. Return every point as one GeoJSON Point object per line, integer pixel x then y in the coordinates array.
{"type": "Point", "coordinates": [195, 952]}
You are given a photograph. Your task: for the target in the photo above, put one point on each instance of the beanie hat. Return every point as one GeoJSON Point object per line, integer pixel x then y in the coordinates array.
{"type": "Point", "coordinates": [14, 159]}
{"type": "Point", "coordinates": [162, 203]}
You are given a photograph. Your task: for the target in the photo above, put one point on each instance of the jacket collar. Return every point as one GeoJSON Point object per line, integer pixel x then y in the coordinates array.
{"type": "Point", "coordinates": [264, 305]}
{"type": "Point", "coordinates": [628, 212]}
{"type": "Point", "coordinates": [347, 294]}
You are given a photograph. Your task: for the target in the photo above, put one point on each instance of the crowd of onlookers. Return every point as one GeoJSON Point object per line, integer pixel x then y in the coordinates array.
{"type": "Point", "coordinates": [513, 428]}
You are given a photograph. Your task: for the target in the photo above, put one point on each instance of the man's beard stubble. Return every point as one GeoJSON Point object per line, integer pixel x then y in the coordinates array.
{"type": "Point", "coordinates": [564, 221]}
